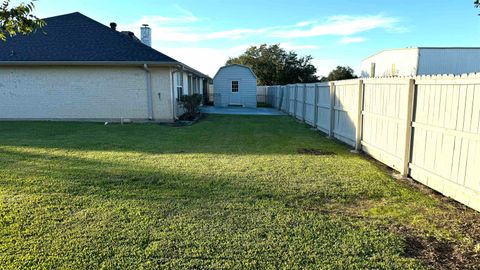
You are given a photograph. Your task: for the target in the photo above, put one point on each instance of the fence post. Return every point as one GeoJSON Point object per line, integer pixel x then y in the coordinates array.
{"type": "Point", "coordinates": [332, 110]}
{"type": "Point", "coordinates": [408, 126]}
{"type": "Point", "coordinates": [359, 129]}
{"type": "Point", "coordinates": [315, 106]}
{"type": "Point", "coordinates": [304, 107]}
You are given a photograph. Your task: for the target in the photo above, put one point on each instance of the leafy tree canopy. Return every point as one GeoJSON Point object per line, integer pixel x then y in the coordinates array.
{"type": "Point", "coordinates": [19, 19]}
{"type": "Point", "coordinates": [275, 66]}
{"type": "Point", "coordinates": [340, 73]}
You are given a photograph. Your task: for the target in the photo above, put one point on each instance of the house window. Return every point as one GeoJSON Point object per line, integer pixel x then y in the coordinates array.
{"type": "Point", "coordinates": [179, 92]}
{"type": "Point", "coordinates": [234, 86]}
{"type": "Point", "coordinates": [179, 83]}
{"type": "Point", "coordinates": [195, 85]}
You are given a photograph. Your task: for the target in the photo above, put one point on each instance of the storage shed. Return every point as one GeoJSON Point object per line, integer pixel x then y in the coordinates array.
{"type": "Point", "coordinates": [422, 61]}
{"type": "Point", "coordinates": [235, 85]}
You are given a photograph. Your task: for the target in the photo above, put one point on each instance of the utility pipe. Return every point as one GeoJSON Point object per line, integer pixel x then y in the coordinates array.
{"type": "Point", "coordinates": [149, 91]}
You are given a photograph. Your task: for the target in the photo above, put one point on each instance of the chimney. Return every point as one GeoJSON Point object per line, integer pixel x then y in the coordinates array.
{"type": "Point", "coordinates": [146, 35]}
{"type": "Point", "coordinates": [113, 26]}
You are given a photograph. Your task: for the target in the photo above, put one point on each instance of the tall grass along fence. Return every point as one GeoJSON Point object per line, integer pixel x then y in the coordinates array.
{"type": "Point", "coordinates": [425, 127]}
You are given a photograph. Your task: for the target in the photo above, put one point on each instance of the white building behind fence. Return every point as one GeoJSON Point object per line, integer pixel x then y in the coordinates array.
{"type": "Point", "coordinates": [421, 61]}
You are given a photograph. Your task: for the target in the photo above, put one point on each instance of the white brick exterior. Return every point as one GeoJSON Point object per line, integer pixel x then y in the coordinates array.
{"type": "Point", "coordinates": [83, 93]}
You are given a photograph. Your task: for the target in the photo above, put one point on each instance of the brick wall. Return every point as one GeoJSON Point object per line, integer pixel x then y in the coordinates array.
{"type": "Point", "coordinates": [94, 93]}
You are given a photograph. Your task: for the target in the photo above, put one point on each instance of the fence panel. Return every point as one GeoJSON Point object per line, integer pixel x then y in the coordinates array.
{"type": "Point", "coordinates": [384, 120]}
{"type": "Point", "coordinates": [439, 145]}
{"type": "Point", "coordinates": [262, 94]}
{"type": "Point", "coordinates": [277, 98]}
{"type": "Point", "coordinates": [292, 91]}
{"type": "Point", "coordinates": [346, 111]}
{"type": "Point", "coordinates": [310, 104]}
{"type": "Point", "coordinates": [299, 107]}
{"type": "Point", "coordinates": [285, 99]}
{"type": "Point", "coordinates": [323, 107]}
{"type": "Point", "coordinates": [269, 95]}
{"type": "Point", "coordinates": [446, 137]}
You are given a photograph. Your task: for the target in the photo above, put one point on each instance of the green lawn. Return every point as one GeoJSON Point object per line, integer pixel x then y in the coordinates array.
{"type": "Point", "coordinates": [228, 192]}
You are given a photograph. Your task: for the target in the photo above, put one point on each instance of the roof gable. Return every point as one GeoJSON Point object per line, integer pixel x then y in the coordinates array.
{"type": "Point", "coordinates": [76, 37]}
{"type": "Point", "coordinates": [233, 65]}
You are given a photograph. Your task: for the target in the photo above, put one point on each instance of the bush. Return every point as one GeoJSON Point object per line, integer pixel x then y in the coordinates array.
{"type": "Point", "coordinates": [191, 104]}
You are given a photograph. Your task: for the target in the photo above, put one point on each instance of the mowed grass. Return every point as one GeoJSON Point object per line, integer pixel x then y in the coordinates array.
{"type": "Point", "coordinates": [231, 192]}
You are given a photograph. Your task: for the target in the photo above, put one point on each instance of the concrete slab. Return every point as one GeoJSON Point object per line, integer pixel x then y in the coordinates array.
{"type": "Point", "coordinates": [241, 111]}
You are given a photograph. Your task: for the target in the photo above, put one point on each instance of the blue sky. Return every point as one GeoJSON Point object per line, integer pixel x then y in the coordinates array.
{"type": "Point", "coordinates": [205, 33]}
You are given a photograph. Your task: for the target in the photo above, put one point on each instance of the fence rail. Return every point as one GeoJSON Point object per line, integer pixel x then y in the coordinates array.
{"type": "Point", "coordinates": [424, 127]}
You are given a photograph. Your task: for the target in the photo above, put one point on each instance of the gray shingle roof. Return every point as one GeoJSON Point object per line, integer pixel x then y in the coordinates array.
{"type": "Point", "coordinates": [75, 37]}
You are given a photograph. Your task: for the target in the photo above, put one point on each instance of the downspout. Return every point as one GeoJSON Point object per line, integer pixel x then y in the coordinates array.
{"type": "Point", "coordinates": [149, 92]}
{"type": "Point", "coordinates": [174, 105]}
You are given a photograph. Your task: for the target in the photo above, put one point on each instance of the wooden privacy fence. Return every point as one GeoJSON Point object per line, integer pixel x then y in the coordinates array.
{"type": "Point", "coordinates": [424, 127]}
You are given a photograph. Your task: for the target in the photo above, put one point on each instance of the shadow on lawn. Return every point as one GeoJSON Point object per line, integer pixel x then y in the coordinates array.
{"type": "Point", "coordinates": [186, 191]}
{"type": "Point", "coordinates": [239, 135]}
{"type": "Point", "coordinates": [117, 180]}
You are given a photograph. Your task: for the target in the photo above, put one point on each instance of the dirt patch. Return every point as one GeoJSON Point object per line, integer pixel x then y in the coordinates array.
{"type": "Point", "coordinates": [460, 251]}
{"type": "Point", "coordinates": [315, 152]}
{"type": "Point", "coordinates": [437, 253]}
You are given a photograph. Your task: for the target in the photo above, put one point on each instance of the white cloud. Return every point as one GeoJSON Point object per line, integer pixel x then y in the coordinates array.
{"type": "Point", "coordinates": [292, 47]}
{"type": "Point", "coordinates": [305, 23]}
{"type": "Point", "coordinates": [349, 40]}
{"type": "Point", "coordinates": [187, 14]}
{"type": "Point", "coordinates": [168, 29]}
{"type": "Point", "coordinates": [324, 66]}
{"type": "Point", "coordinates": [229, 34]}
{"type": "Point", "coordinates": [339, 26]}
{"type": "Point", "coordinates": [174, 36]}
{"type": "Point", "coordinates": [183, 29]}
{"type": "Point", "coordinates": [207, 60]}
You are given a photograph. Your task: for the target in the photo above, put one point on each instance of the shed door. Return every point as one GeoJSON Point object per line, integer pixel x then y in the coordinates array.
{"type": "Point", "coordinates": [235, 95]}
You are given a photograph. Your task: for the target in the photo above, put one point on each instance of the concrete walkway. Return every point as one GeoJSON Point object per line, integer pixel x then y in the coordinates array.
{"type": "Point", "coordinates": [241, 111]}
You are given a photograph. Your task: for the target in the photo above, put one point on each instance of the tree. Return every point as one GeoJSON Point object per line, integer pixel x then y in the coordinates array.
{"type": "Point", "coordinates": [340, 73]}
{"type": "Point", "coordinates": [19, 19]}
{"type": "Point", "coordinates": [476, 3]}
{"type": "Point", "coordinates": [273, 65]}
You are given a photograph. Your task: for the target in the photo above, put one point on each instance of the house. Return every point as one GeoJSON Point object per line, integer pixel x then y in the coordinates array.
{"type": "Point", "coordinates": [235, 85]}
{"type": "Point", "coordinates": [422, 61]}
{"type": "Point", "coordinates": [76, 68]}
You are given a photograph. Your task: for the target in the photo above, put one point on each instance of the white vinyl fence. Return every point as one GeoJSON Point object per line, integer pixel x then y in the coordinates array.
{"type": "Point", "coordinates": [424, 127]}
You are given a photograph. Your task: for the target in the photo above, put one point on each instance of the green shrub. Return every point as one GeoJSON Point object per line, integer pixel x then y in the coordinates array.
{"type": "Point", "coordinates": [191, 104]}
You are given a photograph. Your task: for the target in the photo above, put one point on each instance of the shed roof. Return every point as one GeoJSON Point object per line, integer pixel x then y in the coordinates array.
{"type": "Point", "coordinates": [231, 65]}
